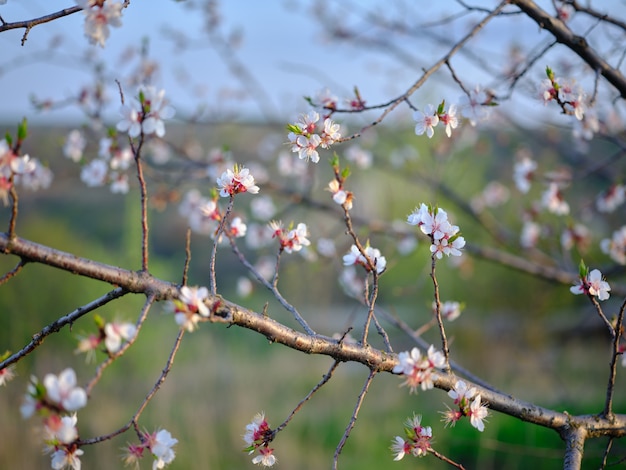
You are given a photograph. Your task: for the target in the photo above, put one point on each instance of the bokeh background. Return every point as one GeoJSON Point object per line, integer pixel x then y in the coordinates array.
{"type": "Point", "coordinates": [527, 336]}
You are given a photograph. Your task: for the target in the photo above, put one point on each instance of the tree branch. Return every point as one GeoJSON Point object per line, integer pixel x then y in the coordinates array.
{"type": "Point", "coordinates": [30, 24]}
{"type": "Point", "coordinates": [577, 44]}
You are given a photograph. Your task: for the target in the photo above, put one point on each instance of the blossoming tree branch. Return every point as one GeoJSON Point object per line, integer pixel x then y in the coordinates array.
{"type": "Point", "coordinates": [233, 205]}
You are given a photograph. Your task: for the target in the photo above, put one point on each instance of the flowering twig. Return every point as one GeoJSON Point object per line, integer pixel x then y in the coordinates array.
{"type": "Point", "coordinates": [354, 416]}
{"type": "Point", "coordinates": [218, 235]}
{"type": "Point", "coordinates": [135, 418]}
{"type": "Point", "coordinates": [112, 356]}
{"type": "Point", "coordinates": [428, 72]}
{"type": "Point", "coordinates": [577, 44]}
{"type": "Point", "coordinates": [56, 326]}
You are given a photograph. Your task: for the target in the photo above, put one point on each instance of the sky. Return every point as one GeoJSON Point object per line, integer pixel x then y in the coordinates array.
{"type": "Point", "coordinates": [282, 47]}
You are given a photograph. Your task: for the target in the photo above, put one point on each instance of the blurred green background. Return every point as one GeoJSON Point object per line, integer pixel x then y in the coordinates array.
{"type": "Point", "coordinates": [526, 336]}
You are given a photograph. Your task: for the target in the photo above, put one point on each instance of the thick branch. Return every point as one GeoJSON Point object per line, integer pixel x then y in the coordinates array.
{"type": "Point", "coordinates": [131, 281]}
{"type": "Point", "coordinates": [577, 44]}
{"type": "Point", "coordinates": [223, 311]}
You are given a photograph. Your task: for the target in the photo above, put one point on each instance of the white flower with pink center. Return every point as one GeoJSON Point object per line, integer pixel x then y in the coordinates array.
{"type": "Point", "coordinates": [523, 173]}
{"type": "Point", "coordinates": [477, 413]}
{"type": "Point", "coordinates": [552, 199]}
{"type": "Point", "coordinates": [98, 17]}
{"type": "Point", "coordinates": [236, 181]}
{"type": "Point", "coordinates": [426, 121]}
{"type": "Point", "coordinates": [66, 457]}
{"type": "Point", "coordinates": [116, 333]}
{"type": "Point", "coordinates": [593, 285]}
{"type": "Point", "coordinates": [62, 390]}
{"type": "Point", "coordinates": [449, 119]}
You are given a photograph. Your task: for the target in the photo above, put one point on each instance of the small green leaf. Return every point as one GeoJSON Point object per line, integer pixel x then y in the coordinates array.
{"type": "Point", "coordinates": [583, 270]}
{"type": "Point", "coordinates": [441, 107]}
{"type": "Point", "coordinates": [22, 130]}
{"type": "Point", "coordinates": [99, 321]}
{"type": "Point", "coordinates": [294, 128]}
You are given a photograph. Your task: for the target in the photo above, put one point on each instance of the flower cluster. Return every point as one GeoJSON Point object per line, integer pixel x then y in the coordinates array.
{"type": "Point", "coordinates": [235, 181]}
{"type": "Point", "coordinates": [417, 442]}
{"type": "Point", "coordinates": [576, 235]}
{"type": "Point", "coordinates": [110, 167]}
{"type": "Point", "coordinates": [591, 283]}
{"type": "Point", "coordinates": [99, 15]}
{"type": "Point", "coordinates": [305, 137]}
{"type": "Point", "coordinates": [22, 169]}
{"type": "Point", "coordinates": [290, 239]}
{"type": "Point", "coordinates": [469, 404]}
{"type": "Point", "coordinates": [430, 117]}
{"type": "Point", "coordinates": [446, 238]}
{"type": "Point", "coordinates": [190, 308]}
{"type": "Point", "coordinates": [553, 200]}
{"type": "Point", "coordinates": [202, 213]}
{"type": "Point", "coordinates": [419, 369]}
{"type": "Point", "coordinates": [475, 105]}
{"type": "Point", "coordinates": [615, 246]}
{"type": "Point", "coordinates": [524, 172]}
{"type": "Point", "coordinates": [340, 195]}
{"type": "Point", "coordinates": [52, 398]}
{"type": "Point", "coordinates": [257, 437]}
{"type": "Point", "coordinates": [324, 99]}
{"type": "Point", "coordinates": [159, 444]}
{"type": "Point", "coordinates": [373, 258]}
{"type": "Point", "coordinates": [113, 335]}
{"type": "Point", "coordinates": [565, 93]}
{"type": "Point", "coordinates": [612, 198]}
{"type": "Point", "coordinates": [145, 115]}
{"type": "Point", "coordinates": [449, 310]}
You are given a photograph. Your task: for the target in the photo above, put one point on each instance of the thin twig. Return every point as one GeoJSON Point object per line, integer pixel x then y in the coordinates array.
{"type": "Point", "coordinates": [607, 451]}
{"type": "Point", "coordinates": [187, 256]}
{"type": "Point", "coordinates": [445, 459]}
{"type": "Point", "coordinates": [134, 420]}
{"type": "Point", "coordinates": [218, 235]}
{"type": "Point", "coordinates": [144, 204]}
{"type": "Point", "coordinates": [112, 357]}
{"type": "Point", "coordinates": [610, 388]}
{"type": "Point", "coordinates": [56, 326]}
{"type": "Point", "coordinates": [272, 288]}
{"type": "Point", "coordinates": [324, 380]}
{"type": "Point", "coordinates": [391, 105]}
{"type": "Point", "coordinates": [30, 24]}
{"type": "Point", "coordinates": [14, 201]}
{"type": "Point", "coordinates": [354, 416]}
{"type": "Point", "coordinates": [14, 272]}
{"type": "Point", "coordinates": [442, 331]}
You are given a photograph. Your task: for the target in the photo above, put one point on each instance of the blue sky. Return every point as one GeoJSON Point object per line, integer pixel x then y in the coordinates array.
{"type": "Point", "coordinates": [283, 46]}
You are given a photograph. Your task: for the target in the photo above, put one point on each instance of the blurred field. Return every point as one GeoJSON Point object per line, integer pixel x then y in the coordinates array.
{"type": "Point", "coordinates": [526, 336]}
